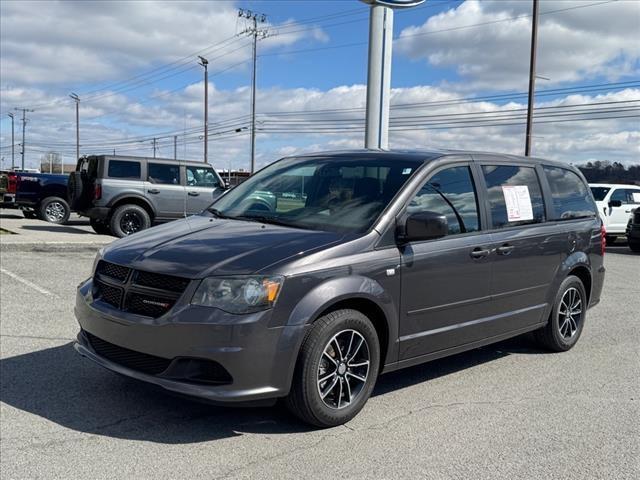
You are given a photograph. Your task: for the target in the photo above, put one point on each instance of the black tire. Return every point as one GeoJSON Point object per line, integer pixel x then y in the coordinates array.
{"type": "Point", "coordinates": [634, 246]}
{"type": "Point", "coordinates": [75, 190]}
{"type": "Point", "coordinates": [101, 227]}
{"type": "Point", "coordinates": [559, 335]}
{"type": "Point", "coordinates": [129, 219]}
{"type": "Point", "coordinates": [54, 210]}
{"type": "Point", "coordinates": [611, 239]}
{"type": "Point", "coordinates": [304, 399]}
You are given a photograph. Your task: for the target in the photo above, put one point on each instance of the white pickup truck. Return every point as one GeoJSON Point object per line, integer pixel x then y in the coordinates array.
{"type": "Point", "coordinates": [615, 203]}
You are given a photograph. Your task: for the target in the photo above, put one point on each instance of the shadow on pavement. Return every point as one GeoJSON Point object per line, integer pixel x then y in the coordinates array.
{"type": "Point", "coordinates": [51, 227]}
{"type": "Point", "coordinates": [59, 385]}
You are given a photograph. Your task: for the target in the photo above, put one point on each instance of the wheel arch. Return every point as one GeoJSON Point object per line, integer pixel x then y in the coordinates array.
{"type": "Point", "coordinates": [134, 200]}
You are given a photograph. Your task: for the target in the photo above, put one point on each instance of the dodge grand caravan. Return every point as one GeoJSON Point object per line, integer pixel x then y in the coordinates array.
{"type": "Point", "coordinates": [362, 262]}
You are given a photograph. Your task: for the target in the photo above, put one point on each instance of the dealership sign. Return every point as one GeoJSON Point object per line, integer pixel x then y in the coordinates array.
{"type": "Point", "coordinates": [395, 3]}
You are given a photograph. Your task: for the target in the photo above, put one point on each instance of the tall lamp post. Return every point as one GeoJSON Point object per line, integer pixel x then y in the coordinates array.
{"type": "Point", "coordinates": [13, 143]}
{"type": "Point", "coordinates": [376, 134]}
{"type": "Point", "coordinates": [204, 62]}
{"type": "Point", "coordinates": [77, 100]}
{"type": "Point", "coordinates": [532, 78]}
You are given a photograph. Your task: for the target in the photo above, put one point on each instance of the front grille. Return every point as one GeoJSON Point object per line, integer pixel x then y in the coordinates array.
{"type": "Point", "coordinates": [143, 293]}
{"type": "Point", "coordinates": [141, 362]}
{"type": "Point", "coordinates": [162, 282]}
{"type": "Point", "coordinates": [107, 293]}
{"type": "Point", "coordinates": [148, 305]}
{"type": "Point", "coordinates": [112, 270]}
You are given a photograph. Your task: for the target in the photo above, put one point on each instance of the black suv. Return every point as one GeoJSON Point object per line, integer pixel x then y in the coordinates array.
{"type": "Point", "coordinates": [361, 263]}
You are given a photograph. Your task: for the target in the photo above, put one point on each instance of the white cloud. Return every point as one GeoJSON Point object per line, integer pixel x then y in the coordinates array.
{"type": "Point", "coordinates": [573, 45]}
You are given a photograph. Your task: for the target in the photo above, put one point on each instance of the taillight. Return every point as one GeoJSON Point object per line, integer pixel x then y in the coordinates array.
{"type": "Point", "coordinates": [12, 183]}
{"type": "Point", "coordinates": [603, 235]}
{"type": "Point", "coordinates": [97, 191]}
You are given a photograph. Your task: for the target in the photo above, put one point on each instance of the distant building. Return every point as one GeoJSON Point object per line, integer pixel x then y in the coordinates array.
{"type": "Point", "coordinates": [52, 162]}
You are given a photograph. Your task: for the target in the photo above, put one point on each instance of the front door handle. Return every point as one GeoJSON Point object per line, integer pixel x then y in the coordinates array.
{"type": "Point", "coordinates": [479, 253]}
{"type": "Point", "coordinates": [193, 194]}
{"type": "Point", "coordinates": [153, 190]}
{"type": "Point", "coordinates": [505, 249]}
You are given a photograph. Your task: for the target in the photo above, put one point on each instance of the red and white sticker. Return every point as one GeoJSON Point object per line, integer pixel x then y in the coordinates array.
{"type": "Point", "coordinates": [518, 202]}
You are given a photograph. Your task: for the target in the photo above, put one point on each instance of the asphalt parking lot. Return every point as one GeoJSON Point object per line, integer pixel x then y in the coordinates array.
{"type": "Point", "coordinates": [504, 411]}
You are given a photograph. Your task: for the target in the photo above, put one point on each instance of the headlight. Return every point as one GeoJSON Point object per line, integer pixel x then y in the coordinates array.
{"type": "Point", "coordinates": [238, 294]}
{"type": "Point", "coordinates": [99, 256]}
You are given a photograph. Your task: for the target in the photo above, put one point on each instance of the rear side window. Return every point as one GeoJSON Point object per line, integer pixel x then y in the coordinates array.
{"type": "Point", "coordinates": [569, 194]}
{"type": "Point", "coordinates": [123, 169]}
{"type": "Point", "coordinates": [515, 196]}
{"type": "Point", "coordinates": [450, 192]}
{"type": "Point", "coordinates": [599, 193]}
{"type": "Point", "coordinates": [162, 173]}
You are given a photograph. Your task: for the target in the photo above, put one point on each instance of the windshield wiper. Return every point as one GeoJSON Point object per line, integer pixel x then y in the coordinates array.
{"type": "Point", "coordinates": [218, 213]}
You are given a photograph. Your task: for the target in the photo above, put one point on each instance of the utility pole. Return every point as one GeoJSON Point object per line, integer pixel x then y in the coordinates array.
{"type": "Point", "coordinates": [532, 77]}
{"type": "Point", "coordinates": [204, 63]}
{"type": "Point", "coordinates": [77, 100]}
{"type": "Point", "coordinates": [175, 147]}
{"type": "Point", "coordinates": [13, 143]}
{"type": "Point", "coordinates": [255, 32]}
{"type": "Point", "coordinates": [24, 127]}
{"type": "Point", "coordinates": [154, 147]}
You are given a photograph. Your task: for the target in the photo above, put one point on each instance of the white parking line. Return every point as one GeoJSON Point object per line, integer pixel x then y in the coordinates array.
{"type": "Point", "coordinates": [28, 283]}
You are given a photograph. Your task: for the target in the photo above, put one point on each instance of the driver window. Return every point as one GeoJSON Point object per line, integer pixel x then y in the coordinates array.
{"type": "Point", "coordinates": [450, 192]}
{"type": "Point", "coordinates": [201, 177]}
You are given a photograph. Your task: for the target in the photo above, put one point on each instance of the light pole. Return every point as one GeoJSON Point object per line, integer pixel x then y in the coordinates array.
{"type": "Point", "coordinates": [204, 62]}
{"type": "Point", "coordinates": [24, 127]}
{"type": "Point", "coordinates": [77, 100]}
{"type": "Point", "coordinates": [379, 72]}
{"type": "Point", "coordinates": [13, 143]}
{"type": "Point", "coordinates": [532, 78]}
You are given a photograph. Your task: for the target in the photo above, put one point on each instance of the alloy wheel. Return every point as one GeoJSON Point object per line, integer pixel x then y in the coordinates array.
{"type": "Point", "coordinates": [344, 369]}
{"type": "Point", "coordinates": [130, 223]}
{"type": "Point", "coordinates": [570, 313]}
{"type": "Point", "coordinates": [54, 212]}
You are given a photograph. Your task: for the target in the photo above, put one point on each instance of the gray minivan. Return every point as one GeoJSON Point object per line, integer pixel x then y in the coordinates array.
{"type": "Point", "coordinates": [360, 263]}
{"type": "Point", "coordinates": [122, 195]}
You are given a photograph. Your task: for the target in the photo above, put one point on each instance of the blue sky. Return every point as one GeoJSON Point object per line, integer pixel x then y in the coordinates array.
{"type": "Point", "coordinates": [137, 76]}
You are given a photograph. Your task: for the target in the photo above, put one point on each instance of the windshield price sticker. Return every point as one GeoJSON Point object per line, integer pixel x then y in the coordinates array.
{"type": "Point", "coordinates": [518, 202]}
{"type": "Point", "coordinates": [636, 197]}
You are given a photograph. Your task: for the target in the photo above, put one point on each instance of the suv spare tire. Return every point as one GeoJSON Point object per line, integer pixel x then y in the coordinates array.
{"type": "Point", "coordinates": [75, 190]}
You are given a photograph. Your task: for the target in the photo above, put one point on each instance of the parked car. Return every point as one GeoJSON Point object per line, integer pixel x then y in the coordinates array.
{"type": "Point", "coordinates": [633, 231]}
{"type": "Point", "coordinates": [122, 195]}
{"type": "Point", "coordinates": [615, 204]}
{"type": "Point", "coordinates": [390, 260]}
{"type": "Point", "coordinates": [43, 196]}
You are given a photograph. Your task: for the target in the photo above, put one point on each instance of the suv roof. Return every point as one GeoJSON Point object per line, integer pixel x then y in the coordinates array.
{"type": "Point", "coordinates": [147, 159]}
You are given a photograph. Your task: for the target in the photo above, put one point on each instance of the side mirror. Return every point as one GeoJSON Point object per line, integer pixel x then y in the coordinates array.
{"type": "Point", "coordinates": [615, 203]}
{"type": "Point", "coordinates": [424, 226]}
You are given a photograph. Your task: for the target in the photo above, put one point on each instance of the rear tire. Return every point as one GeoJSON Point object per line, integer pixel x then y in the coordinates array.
{"type": "Point", "coordinates": [565, 325]}
{"type": "Point", "coordinates": [329, 352]}
{"type": "Point", "coordinates": [129, 219]}
{"type": "Point", "coordinates": [54, 210]}
{"type": "Point", "coordinates": [634, 246]}
{"type": "Point", "coordinates": [101, 227]}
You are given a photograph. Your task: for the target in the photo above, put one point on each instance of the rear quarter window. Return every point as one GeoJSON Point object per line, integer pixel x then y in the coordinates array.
{"type": "Point", "coordinates": [123, 169]}
{"type": "Point", "coordinates": [571, 198]}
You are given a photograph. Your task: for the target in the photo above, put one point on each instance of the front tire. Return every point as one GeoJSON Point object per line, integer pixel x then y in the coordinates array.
{"type": "Point", "coordinates": [336, 370]}
{"type": "Point", "coordinates": [54, 210]}
{"type": "Point", "coordinates": [129, 219]}
{"type": "Point", "coordinates": [567, 317]}
{"type": "Point", "coordinates": [634, 245]}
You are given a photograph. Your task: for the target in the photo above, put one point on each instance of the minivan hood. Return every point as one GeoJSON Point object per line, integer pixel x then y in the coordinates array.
{"type": "Point", "coordinates": [198, 246]}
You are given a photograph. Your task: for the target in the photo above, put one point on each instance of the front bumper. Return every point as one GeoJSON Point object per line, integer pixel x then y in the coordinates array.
{"type": "Point", "coordinates": [259, 358]}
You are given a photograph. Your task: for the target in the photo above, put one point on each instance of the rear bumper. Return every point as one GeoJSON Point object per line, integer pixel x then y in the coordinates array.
{"type": "Point", "coordinates": [8, 200]}
{"type": "Point", "coordinates": [260, 359]}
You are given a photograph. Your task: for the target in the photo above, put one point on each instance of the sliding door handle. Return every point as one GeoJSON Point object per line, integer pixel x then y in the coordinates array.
{"type": "Point", "coordinates": [479, 253]}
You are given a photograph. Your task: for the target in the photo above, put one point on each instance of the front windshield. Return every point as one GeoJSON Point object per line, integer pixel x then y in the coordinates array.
{"type": "Point", "coordinates": [599, 193]}
{"type": "Point", "coordinates": [339, 194]}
